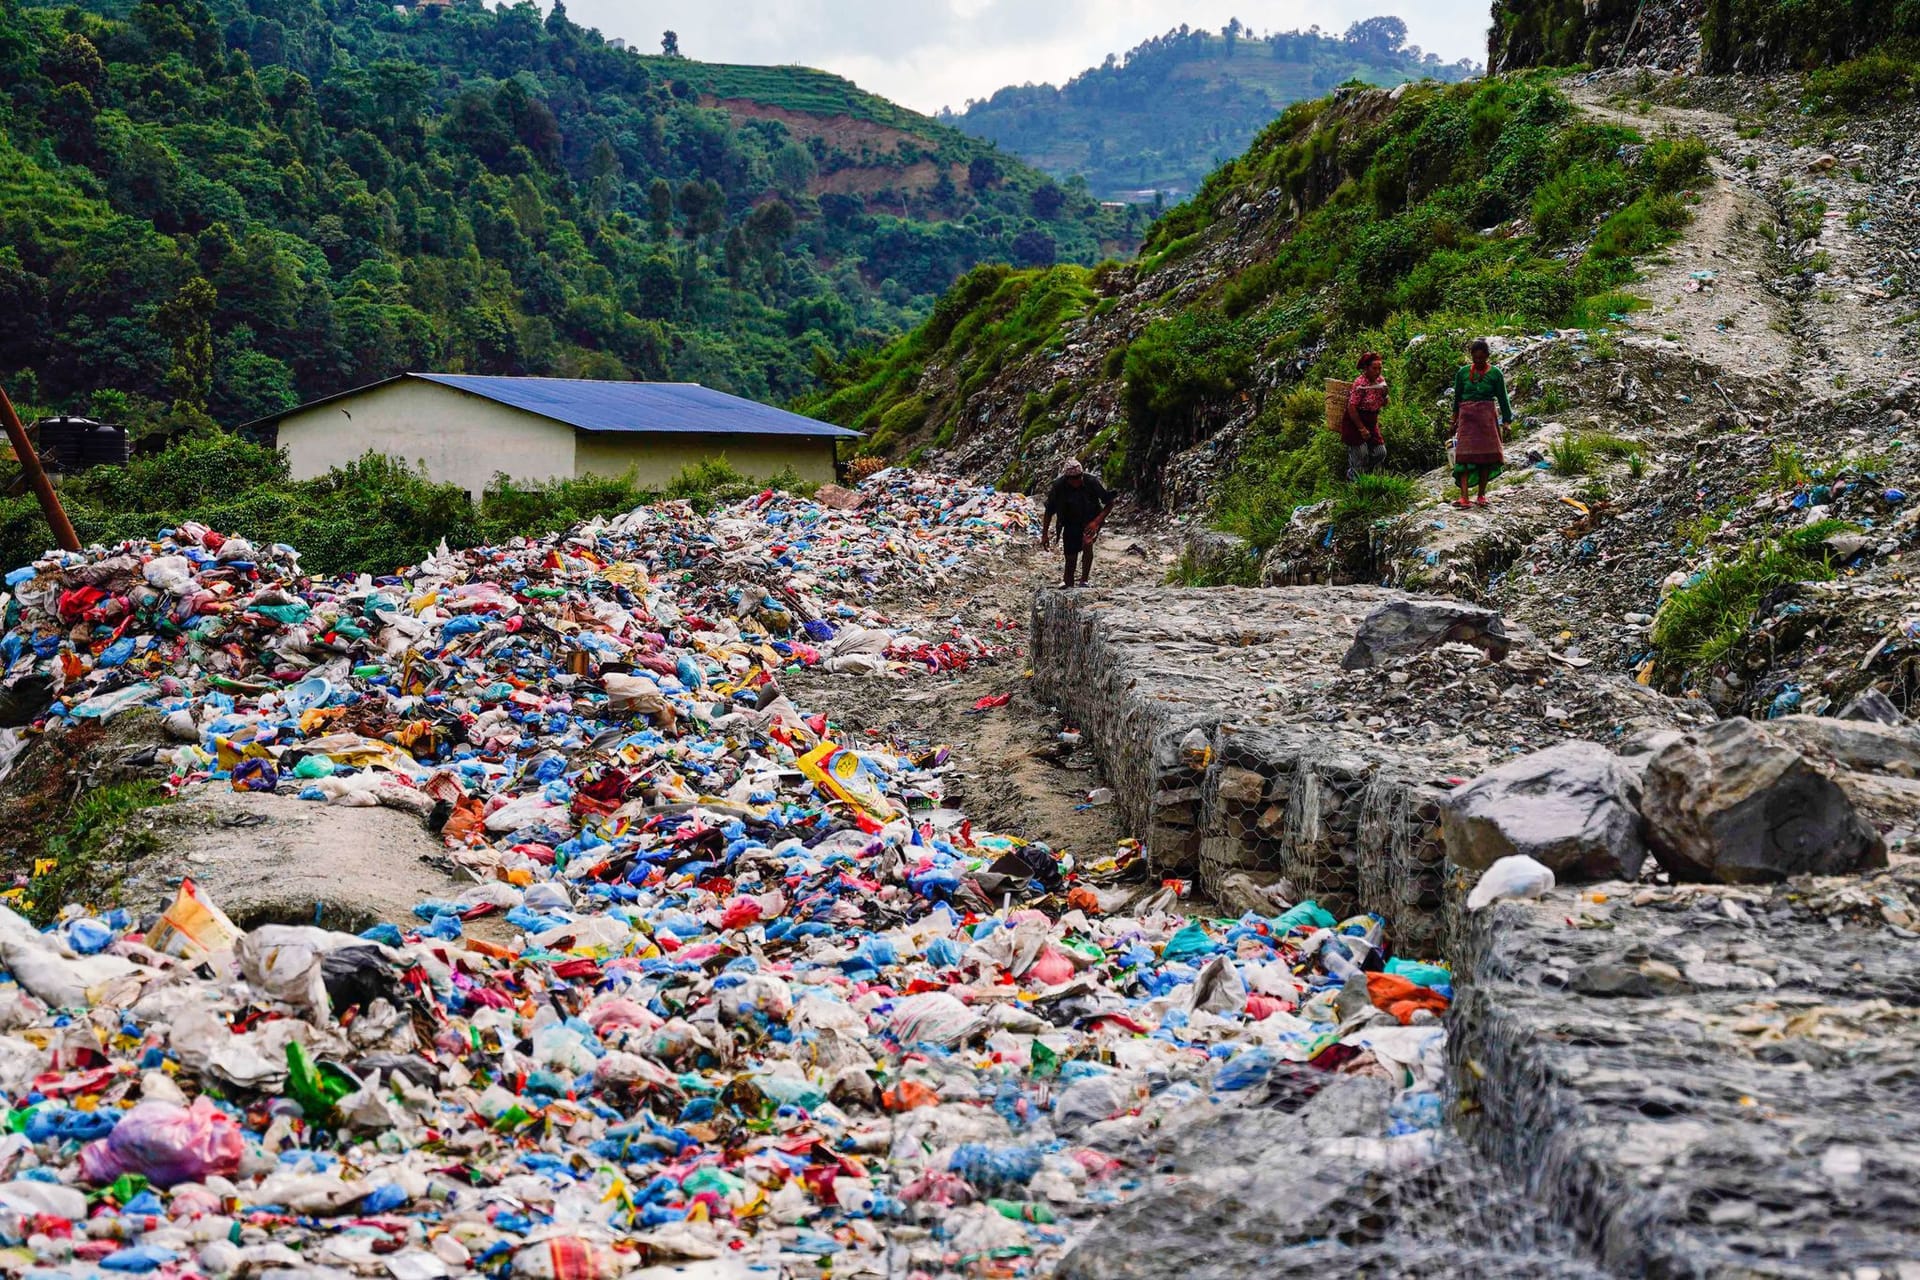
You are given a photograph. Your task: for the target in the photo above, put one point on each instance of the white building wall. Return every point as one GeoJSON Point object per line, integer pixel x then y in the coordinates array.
{"type": "Point", "coordinates": [458, 438]}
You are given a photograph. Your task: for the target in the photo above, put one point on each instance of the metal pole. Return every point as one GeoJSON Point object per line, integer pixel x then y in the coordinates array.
{"type": "Point", "coordinates": [42, 487]}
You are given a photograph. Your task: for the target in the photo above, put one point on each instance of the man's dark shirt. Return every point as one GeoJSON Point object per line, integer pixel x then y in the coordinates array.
{"type": "Point", "coordinates": [1075, 506]}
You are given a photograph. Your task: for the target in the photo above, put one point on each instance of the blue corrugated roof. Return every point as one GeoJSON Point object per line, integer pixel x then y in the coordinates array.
{"type": "Point", "coordinates": [640, 406]}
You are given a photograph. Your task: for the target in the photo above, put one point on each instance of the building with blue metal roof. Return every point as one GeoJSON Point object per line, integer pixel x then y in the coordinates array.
{"type": "Point", "coordinates": [466, 429]}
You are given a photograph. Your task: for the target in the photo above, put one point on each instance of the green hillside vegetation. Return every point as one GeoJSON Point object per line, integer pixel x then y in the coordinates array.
{"type": "Point", "coordinates": [994, 316]}
{"type": "Point", "coordinates": [1178, 106]}
{"type": "Point", "coordinates": [1455, 211]}
{"type": "Point", "coordinates": [814, 92]}
{"type": "Point", "coordinates": [213, 209]}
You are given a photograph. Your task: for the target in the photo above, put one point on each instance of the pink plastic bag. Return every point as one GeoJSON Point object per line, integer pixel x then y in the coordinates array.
{"type": "Point", "coordinates": [167, 1143]}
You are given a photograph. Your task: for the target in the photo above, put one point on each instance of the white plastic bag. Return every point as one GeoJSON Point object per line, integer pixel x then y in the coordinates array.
{"type": "Point", "coordinates": [933, 1017]}
{"type": "Point", "coordinates": [1517, 876]}
{"type": "Point", "coordinates": [37, 964]}
{"type": "Point", "coordinates": [282, 961]}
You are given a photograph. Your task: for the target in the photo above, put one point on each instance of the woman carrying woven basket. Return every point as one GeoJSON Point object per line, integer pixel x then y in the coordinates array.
{"type": "Point", "coordinates": [1360, 425]}
{"type": "Point", "coordinates": [1481, 413]}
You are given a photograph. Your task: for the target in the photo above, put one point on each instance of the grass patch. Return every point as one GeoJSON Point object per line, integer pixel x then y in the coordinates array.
{"type": "Point", "coordinates": [94, 839]}
{"type": "Point", "coordinates": [1607, 445]}
{"type": "Point", "coordinates": [1237, 571]}
{"type": "Point", "coordinates": [1703, 623]}
{"type": "Point", "coordinates": [1787, 468]}
{"type": "Point", "coordinates": [1602, 309]}
{"type": "Point", "coordinates": [1379, 496]}
{"type": "Point", "coordinates": [1571, 455]}
{"type": "Point", "coordinates": [1806, 218]}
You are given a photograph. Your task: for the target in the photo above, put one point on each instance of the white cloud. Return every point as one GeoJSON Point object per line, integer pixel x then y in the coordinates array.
{"type": "Point", "coordinates": [932, 53]}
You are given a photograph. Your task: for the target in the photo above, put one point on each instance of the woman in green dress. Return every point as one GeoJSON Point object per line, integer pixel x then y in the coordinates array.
{"type": "Point", "coordinates": [1481, 413]}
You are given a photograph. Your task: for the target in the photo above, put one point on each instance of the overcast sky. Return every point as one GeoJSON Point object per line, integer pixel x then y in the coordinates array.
{"type": "Point", "coordinates": [933, 53]}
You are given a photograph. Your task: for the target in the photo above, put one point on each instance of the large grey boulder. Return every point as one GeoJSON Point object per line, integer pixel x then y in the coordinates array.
{"type": "Point", "coordinates": [1570, 807]}
{"type": "Point", "coordinates": [1736, 804]}
{"type": "Point", "coordinates": [1400, 628]}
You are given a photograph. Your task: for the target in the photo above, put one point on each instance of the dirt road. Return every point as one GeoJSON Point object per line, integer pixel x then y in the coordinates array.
{"type": "Point", "coordinates": [1015, 774]}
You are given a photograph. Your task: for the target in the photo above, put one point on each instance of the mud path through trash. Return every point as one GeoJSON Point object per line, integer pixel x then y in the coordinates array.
{"type": "Point", "coordinates": [1709, 290]}
{"type": "Point", "coordinates": [1014, 772]}
{"type": "Point", "coordinates": [1809, 232]}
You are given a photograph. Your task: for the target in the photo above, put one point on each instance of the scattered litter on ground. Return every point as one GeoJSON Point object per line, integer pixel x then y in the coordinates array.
{"type": "Point", "coordinates": [769, 1002]}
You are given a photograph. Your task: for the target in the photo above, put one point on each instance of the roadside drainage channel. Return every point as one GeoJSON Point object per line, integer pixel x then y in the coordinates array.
{"type": "Point", "coordinates": [1690, 1089]}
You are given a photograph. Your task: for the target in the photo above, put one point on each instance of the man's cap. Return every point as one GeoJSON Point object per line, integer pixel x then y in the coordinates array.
{"type": "Point", "coordinates": [1073, 467]}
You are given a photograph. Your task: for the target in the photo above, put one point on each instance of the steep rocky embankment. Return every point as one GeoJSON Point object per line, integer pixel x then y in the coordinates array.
{"type": "Point", "coordinates": [1368, 219]}
{"type": "Point", "coordinates": [1738, 452]}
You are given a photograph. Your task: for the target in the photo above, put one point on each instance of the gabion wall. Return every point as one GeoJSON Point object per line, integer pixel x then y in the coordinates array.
{"type": "Point", "coordinates": [1343, 821]}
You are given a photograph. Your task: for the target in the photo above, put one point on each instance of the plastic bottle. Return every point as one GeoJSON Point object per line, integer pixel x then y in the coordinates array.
{"type": "Point", "coordinates": [567, 1258]}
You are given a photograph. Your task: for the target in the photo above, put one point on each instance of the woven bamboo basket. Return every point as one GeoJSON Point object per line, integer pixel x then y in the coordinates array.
{"type": "Point", "coordinates": [1337, 392]}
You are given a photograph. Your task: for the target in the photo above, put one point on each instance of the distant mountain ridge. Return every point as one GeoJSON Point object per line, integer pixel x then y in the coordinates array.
{"type": "Point", "coordinates": [1152, 124]}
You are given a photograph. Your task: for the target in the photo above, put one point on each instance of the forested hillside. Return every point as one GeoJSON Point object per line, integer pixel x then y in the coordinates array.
{"type": "Point", "coordinates": [221, 207]}
{"type": "Point", "coordinates": [1180, 105]}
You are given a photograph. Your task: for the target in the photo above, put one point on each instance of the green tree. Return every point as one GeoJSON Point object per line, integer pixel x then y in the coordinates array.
{"type": "Point", "coordinates": [71, 114]}
{"type": "Point", "coordinates": [769, 226]}
{"type": "Point", "coordinates": [75, 61]}
{"type": "Point", "coordinates": [186, 321]}
{"type": "Point", "coordinates": [251, 385]}
{"type": "Point", "coordinates": [488, 340]}
{"type": "Point", "coordinates": [656, 287]}
{"type": "Point", "coordinates": [793, 168]}
{"type": "Point", "coordinates": [660, 207]}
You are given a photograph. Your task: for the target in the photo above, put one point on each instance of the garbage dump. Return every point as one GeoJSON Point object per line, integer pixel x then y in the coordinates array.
{"type": "Point", "coordinates": [724, 988]}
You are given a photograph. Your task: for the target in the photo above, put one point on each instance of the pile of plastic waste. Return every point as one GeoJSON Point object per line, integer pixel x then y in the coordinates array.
{"type": "Point", "coordinates": [761, 999]}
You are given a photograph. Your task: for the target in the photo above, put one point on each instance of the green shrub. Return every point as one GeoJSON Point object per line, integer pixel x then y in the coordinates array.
{"type": "Point", "coordinates": [703, 478]}
{"type": "Point", "coordinates": [1176, 370]}
{"type": "Point", "coordinates": [1644, 225]}
{"type": "Point", "coordinates": [1569, 202]}
{"type": "Point", "coordinates": [1676, 164]}
{"type": "Point", "coordinates": [1378, 496]}
{"type": "Point", "coordinates": [1703, 623]}
{"type": "Point", "coordinates": [1876, 82]}
{"type": "Point", "coordinates": [373, 515]}
{"type": "Point", "coordinates": [1788, 468]}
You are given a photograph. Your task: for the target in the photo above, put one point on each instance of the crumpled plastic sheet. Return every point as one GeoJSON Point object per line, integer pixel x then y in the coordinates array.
{"type": "Point", "coordinates": [756, 1007]}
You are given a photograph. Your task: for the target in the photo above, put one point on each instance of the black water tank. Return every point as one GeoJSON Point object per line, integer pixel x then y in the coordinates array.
{"type": "Point", "coordinates": [68, 445]}
{"type": "Point", "coordinates": [60, 443]}
{"type": "Point", "coordinates": [103, 445]}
